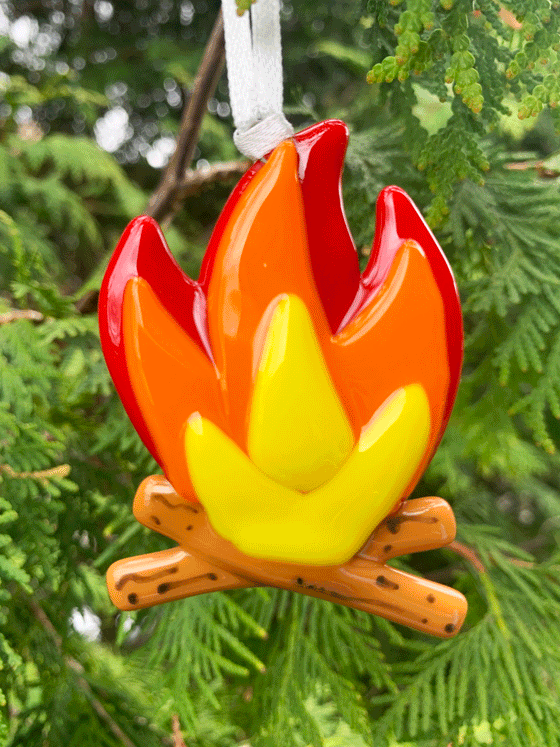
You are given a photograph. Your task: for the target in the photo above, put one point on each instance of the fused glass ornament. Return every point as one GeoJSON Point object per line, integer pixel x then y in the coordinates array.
{"type": "Point", "coordinates": [291, 402]}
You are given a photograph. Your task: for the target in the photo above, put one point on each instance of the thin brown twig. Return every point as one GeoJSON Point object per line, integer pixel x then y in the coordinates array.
{"type": "Point", "coordinates": [195, 179]}
{"type": "Point", "coordinates": [163, 201]}
{"type": "Point", "coordinates": [468, 553]}
{"type": "Point", "coordinates": [62, 470]}
{"type": "Point", "coordinates": [41, 615]}
{"type": "Point", "coordinates": [15, 315]}
{"type": "Point", "coordinates": [178, 740]}
{"type": "Point", "coordinates": [87, 304]}
{"type": "Point", "coordinates": [544, 171]}
{"type": "Point", "coordinates": [176, 181]}
{"type": "Point", "coordinates": [78, 669]}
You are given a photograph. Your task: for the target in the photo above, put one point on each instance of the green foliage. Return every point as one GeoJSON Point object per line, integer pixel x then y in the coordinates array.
{"type": "Point", "coordinates": [513, 286]}
{"type": "Point", "coordinates": [484, 59]}
{"type": "Point", "coordinates": [243, 5]}
{"type": "Point", "coordinates": [263, 667]}
{"type": "Point", "coordinates": [317, 643]}
{"type": "Point", "coordinates": [446, 688]}
{"type": "Point", "coordinates": [200, 646]}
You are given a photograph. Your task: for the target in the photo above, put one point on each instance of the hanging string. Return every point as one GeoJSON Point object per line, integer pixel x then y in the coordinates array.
{"type": "Point", "coordinates": [254, 65]}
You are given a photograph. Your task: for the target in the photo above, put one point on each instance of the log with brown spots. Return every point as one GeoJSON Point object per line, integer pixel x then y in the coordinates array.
{"type": "Point", "coordinates": [204, 562]}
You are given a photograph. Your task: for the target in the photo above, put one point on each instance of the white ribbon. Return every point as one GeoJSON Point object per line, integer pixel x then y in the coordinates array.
{"type": "Point", "coordinates": [254, 66]}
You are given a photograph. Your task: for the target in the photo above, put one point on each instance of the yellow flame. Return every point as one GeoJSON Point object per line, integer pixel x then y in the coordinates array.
{"type": "Point", "coordinates": [299, 434]}
{"type": "Point", "coordinates": [257, 503]}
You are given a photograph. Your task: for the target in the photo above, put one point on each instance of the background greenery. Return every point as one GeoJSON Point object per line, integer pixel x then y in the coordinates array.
{"type": "Point", "coordinates": [457, 102]}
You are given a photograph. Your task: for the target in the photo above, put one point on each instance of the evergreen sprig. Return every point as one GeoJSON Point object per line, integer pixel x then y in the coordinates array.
{"type": "Point", "coordinates": [261, 666]}
{"type": "Point", "coordinates": [484, 58]}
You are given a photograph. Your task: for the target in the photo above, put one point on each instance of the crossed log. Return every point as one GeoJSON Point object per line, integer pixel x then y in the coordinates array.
{"type": "Point", "coordinates": [204, 562]}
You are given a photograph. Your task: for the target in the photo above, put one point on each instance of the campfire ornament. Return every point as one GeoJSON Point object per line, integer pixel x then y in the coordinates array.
{"type": "Point", "coordinates": [291, 403]}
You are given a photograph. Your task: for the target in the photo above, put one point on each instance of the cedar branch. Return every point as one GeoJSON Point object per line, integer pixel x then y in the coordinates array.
{"type": "Point", "coordinates": [178, 740]}
{"type": "Point", "coordinates": [15, 315]}
{"type": "Point", "coordinates": [162, 202]}
{"type": "Point", "coordinates": [194, 179]}
{"type": "Point", "coordinates": [62, 470]}
{"type": "Point", "coordinates": [75, 666]}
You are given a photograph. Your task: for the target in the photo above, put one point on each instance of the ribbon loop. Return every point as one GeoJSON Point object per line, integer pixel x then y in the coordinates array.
{"type": "Point", "coordinates": [254, 64]}
{"type": "Point", "coordinates": [258, 140]}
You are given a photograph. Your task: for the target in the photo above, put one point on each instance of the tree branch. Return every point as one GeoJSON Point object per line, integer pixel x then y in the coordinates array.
{"type": "Point", "coordinates": [62, 470]}
{"type": "Point", "coordinates": [15, 315]}
{"type": "Point", "coordinates": [177, 180]}
{"type": "Point", "coordinates": [194, 179]}
{"type": "Point", "coordinates": [544, 171]}
{"type": "Point", "coordinates": [178, 740]}
{"type": "Point", "coordinates": [468, 554]}
{"type": "Point", "coordinates": [81, 682]}
{"type": "Point", "coordinates": [162, 202]}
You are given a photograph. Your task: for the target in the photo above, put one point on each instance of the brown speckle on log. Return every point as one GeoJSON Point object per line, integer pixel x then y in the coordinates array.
{"type": "Point", "coordinates": [385, 583]}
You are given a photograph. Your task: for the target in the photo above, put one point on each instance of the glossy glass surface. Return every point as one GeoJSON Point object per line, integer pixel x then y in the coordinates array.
{"type": "Point", "coordinates": [266, 519]}
{"type": "Point", "coordinates": [170, 376]}
{"type": "Point", "coordinates": [299, 434]}
{"type": "Point", "coordinates": [205, 561]}
{"type": "Point", "coordinates": [298, 401]}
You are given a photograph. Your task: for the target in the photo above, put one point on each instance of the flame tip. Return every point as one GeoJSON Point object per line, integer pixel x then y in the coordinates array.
{"type": "Point", "coordinates": [286, 151]}
{"type": "Point", "coordinates": [142, 222]}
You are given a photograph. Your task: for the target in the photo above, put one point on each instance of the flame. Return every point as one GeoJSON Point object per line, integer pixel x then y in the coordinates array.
{"type": "Point", "coordinates": [298, 406]}
{"type": "Point", "coordinates": [298, 432]}
{"type": "Point", "coordinates": [262, 255]}
{"type": "Point", "coordinates": [170, 376]}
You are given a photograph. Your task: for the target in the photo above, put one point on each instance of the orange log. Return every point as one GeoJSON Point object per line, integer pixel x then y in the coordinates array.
{"type": "Point", "coordinates": [206, 562]}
